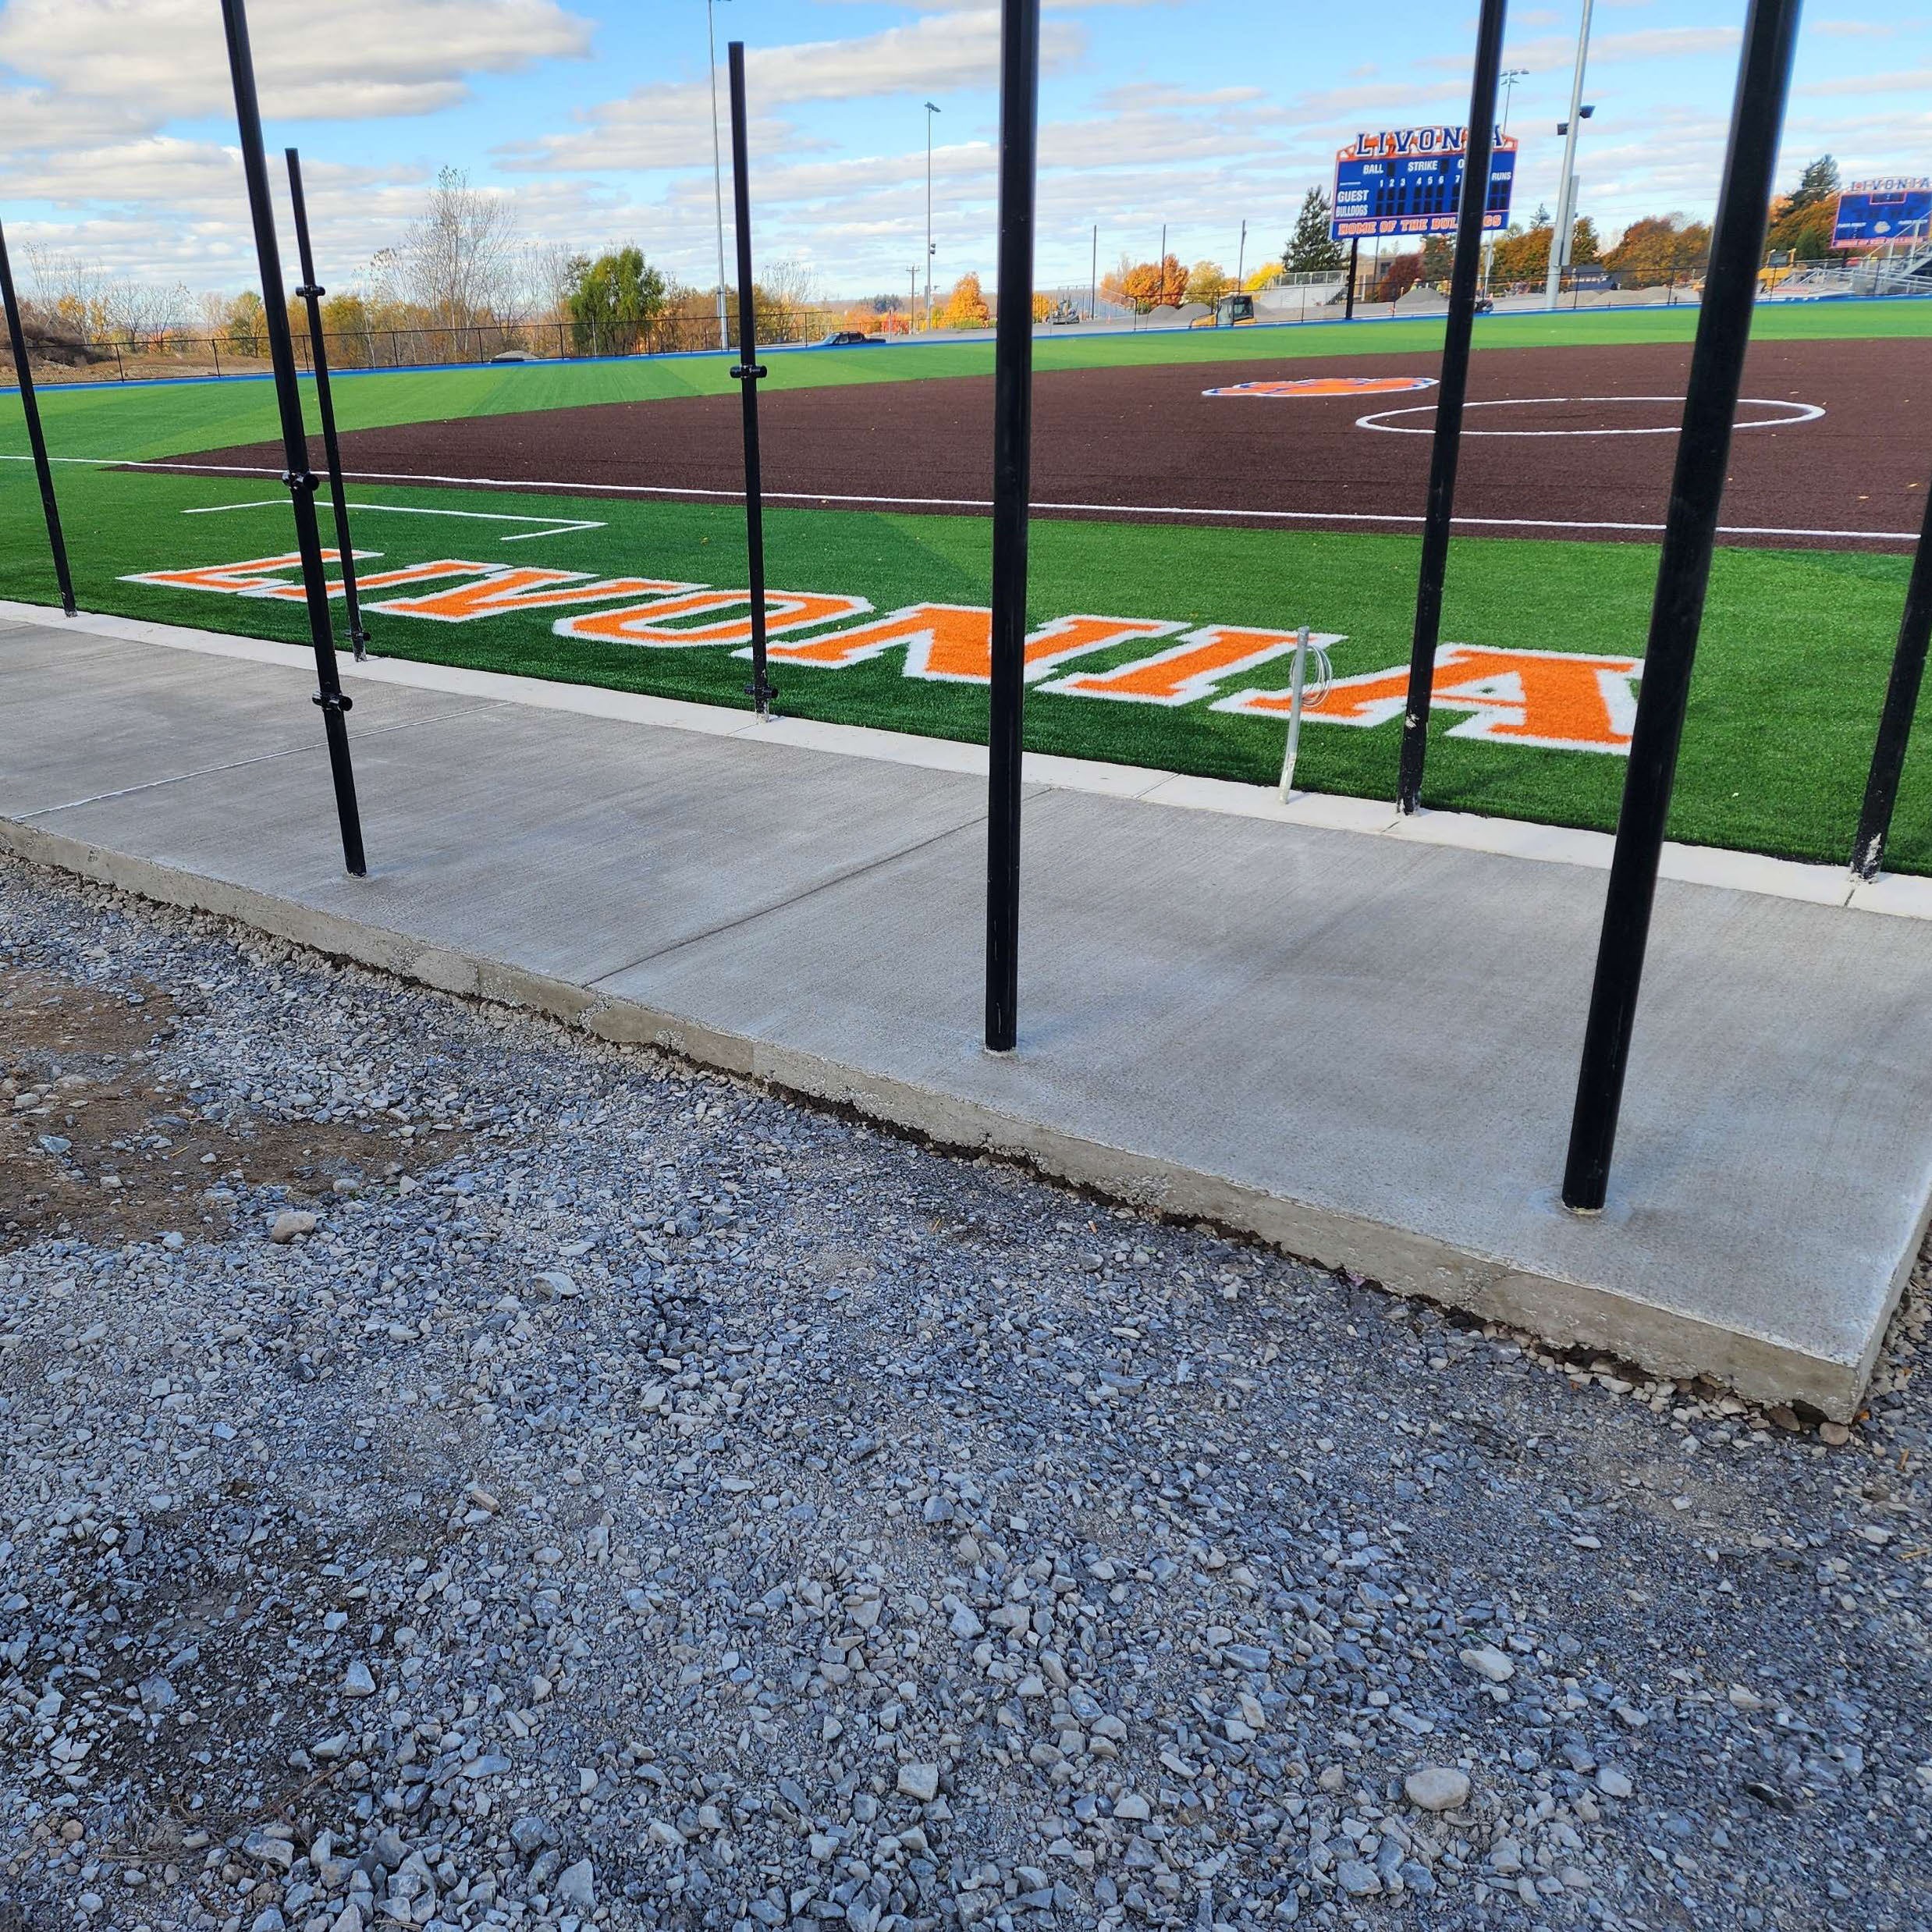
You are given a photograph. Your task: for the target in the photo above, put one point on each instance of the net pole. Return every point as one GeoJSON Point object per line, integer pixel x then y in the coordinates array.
{"type": "Point", "coordinates": [1703, 452]}
{"type": "Point", "coordinates": [311, 293]}
{"type": "Point", "coordinates": [1446, 446]}
{"type": "Point", "coordinates": [747, 372]}
{"type": "Point", "coordinates": [1894, 721]}
{"type": "Point", "coordinates": [30, 407]}
{"type": "Point", "coordinates": [334, 702]}
{"type": "Point", "coordinates": [1297, 687]}
{"type": "Point", "coordinates": [1012, 481]}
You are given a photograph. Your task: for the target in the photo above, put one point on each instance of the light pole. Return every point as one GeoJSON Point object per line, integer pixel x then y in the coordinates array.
{"type": "Point", "coordinates": [930, 111]}
{"type": "Point", "coordinates": [1093, 293]}
{"type": "Point", "coordinates": [1566, 188]}
{"type": "Point", "coordinates": [1508, 79]}
{"type": "Point", "coordinates": [717, 173]}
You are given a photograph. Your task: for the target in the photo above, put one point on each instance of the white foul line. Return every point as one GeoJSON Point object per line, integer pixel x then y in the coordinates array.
{"type": "Point", "coordinates": [985, 503]}
{"type": "Point", "coordinates": [554, 526]}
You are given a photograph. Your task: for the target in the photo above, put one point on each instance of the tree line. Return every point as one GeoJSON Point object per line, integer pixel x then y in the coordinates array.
{"type": "Point", "coordinates": [1653, 250]}
{"type": "Point", "coordinates": [460, 268]}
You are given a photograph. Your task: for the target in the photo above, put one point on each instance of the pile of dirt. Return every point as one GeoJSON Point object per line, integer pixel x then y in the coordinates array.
{"type": "Point", "coordinates": [94, 1141]}
{"type": "Point", "coordinates": [53, 341]}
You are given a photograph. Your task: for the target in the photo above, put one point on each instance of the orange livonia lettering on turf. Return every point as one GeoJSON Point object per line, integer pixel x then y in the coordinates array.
{"type": "Point", "coordinates": [644, 623]}
{"type": "Point", "coordinates": [962, 654]}
{"type": "Point", "coordinates": [949, 628]}
{"type": "Point", "coordinates": [504, 593]}
{"type": "Point", "coordinates": [1187, 671]}
{"type": "Point", "coordinates": [1565, 700]}
{"type": "Point", "coordinates": [1562, 699]}
{"type": "Point", "coordinates": [378, 579]}
{"type": "Point", "coordinates": [231, 579]}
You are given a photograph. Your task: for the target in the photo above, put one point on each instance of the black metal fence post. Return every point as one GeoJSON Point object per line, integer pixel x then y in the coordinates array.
{"type": "Point", "coordinates": [1446, 446]}
{"type": "Point", "coordinates": [311, 293]}
{"type": "Point", "coordinates": [1012, 477]}
{"type": "Point", "coordinates": [1704, 451]}
{"type": "Point", "coordinates": [748, 372]}
{"type": "Point", "coordinates": [1894, 721]}
{"type": "Point", "coordinates": [330, 695]}
{"type": "Point", "coordinates": [30, 407]}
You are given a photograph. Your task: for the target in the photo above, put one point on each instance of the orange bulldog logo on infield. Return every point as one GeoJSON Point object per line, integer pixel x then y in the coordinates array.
{"type": "Point", "coordinates": [1564, 701]}
{"type": "Point", "coordinates": [1330, 385]}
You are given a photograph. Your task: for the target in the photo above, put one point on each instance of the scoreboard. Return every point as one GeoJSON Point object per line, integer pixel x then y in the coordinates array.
{"type": "Point", "coordinates": [1871, 212]}
{"type": "Point", "coordinates": [1408, 181]}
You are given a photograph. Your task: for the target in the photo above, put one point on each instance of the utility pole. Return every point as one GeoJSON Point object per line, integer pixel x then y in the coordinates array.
{"type": "Point", "coordinates": [1093, 293]}
{"type": "Point", "coordinates": [930, 111]}
{"type": "Point", "coordinates": [717, 173]}
{"type": "Point", "coordinates": [1566, 188]}
{"type": "Point", "coordinates": [1240, 255]}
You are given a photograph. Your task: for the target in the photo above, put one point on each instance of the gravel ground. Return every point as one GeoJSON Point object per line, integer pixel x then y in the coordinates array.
{"type": "Point", "coordinates": [456, 1473]}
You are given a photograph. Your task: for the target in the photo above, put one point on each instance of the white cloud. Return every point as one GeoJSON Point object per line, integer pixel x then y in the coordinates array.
{"type": "Point", "coordinates": [353, 59]}
{"type": "Point", "coordinates": [668, 125]}
{"type": "Point", "coordinates": [1558, 51]}
{"type": "Point", "coordinates": [1892, 82]}
{"type": "Point", "coordinates": [1138, 94]}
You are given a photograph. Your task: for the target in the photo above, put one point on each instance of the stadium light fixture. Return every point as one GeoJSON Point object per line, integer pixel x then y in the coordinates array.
{"type": "Point", "coordinates": [1566, 187]}
{"type": "Point", "coordinates": [717, 171]}
{"type": "Point", "coordinates": [931, 108]}
{"type": "Point", "coordinates": [1507, 79]}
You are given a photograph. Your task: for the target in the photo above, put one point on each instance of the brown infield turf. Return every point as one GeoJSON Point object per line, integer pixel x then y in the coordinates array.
{"type": "Point", "coordinates": [1146, 440]}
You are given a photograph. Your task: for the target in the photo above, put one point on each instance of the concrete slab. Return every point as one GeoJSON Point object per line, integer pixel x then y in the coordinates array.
{"type": "Point", "coordinates": [86, 714]}
{"type": "Point", "coordinates": [492, 837]}
{"type": "Point", "coordinates": [1375, 1048]}
{"type": "Point", "coordinates": [1362, 1047]}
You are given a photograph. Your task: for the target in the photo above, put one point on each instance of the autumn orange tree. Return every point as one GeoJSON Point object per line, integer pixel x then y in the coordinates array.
{"type": "Point", "coordinates": [1142, 285]}
{"type": "Point", "coordinates": [1399, 274]}
{"type": "Point", "coordinates": [966, 307]}
{"type": "Point", "coordinates": [1523, 254]}
{"type": "Point", "coordinates": [1661, 248]}
{"type": "Point", "coordinates": [1207, 282]}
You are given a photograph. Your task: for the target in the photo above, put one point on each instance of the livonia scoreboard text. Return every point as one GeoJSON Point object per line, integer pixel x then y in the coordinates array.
{"type": "Point", "coordinates": [1408, 181]}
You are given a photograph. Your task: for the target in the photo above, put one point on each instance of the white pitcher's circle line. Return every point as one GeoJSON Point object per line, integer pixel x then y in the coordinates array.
{"type": "Point", "coordinates": [1801, 413]}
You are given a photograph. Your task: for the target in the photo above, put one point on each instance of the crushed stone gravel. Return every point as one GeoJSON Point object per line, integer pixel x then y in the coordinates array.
{"type": "Point", "coordinates": [456, 1473]}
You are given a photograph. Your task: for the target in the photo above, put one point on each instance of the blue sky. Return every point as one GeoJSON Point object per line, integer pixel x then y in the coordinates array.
{"type": "Point", "coordinates": [593, 117]}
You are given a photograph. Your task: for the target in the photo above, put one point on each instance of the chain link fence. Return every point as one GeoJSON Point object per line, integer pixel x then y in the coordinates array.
{"type": "Point", "coordinates": [240, 353]}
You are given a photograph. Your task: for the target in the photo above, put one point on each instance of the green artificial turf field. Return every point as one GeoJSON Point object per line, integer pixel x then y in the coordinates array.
{"type": "Point", "coordinates": [1790, 675]}
{"type": "Point", "coordinates": [146, 422]}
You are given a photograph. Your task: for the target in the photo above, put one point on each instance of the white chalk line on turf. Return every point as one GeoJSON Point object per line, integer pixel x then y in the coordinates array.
{"type": "Point", "coordinates": [985, 503]}
{"type": "Point", "coordinates": [553, 526]}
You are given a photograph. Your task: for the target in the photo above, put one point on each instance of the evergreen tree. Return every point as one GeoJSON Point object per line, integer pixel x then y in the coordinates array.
{"type": "Point", "coordinates": [1310, 249]}
{"type": "Point", "coordinates": [1819, 183]}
